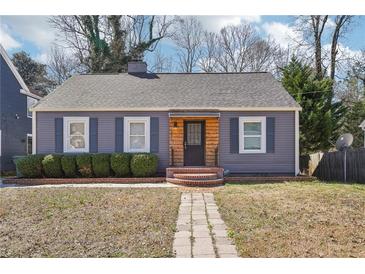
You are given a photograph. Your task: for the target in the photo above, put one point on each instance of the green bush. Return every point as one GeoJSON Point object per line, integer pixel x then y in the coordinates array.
{"type": "Point", "coordinates": [83, 162]}
{"type": "Point", "coordinates": [69, 168]}
{"type": "Point", "coordinates": [120, 164]}
{"type": "Point", "coordinates": [144, 165]}
{"type": "Point", "coordinates": [52, 166]}
{"type": "Point", "coordinates": [101, 164]}
{"type": "Point", "coordinates": [30, 166]}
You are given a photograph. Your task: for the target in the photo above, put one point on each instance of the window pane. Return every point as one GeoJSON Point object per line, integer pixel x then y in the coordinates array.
{"type": "Point", "coordinates": [77, 142]}
{"type": "Point", "coordinates": [252, 143]}
{"type": "Point", "coordinates": [193, 134]}
{"type": "Point", "coordinates": [137, 142]}
{"type": "Point", "coordinates": [137, 128]}
{"type": "Point", "coordinates": [252, 128]}
{"type": "Point", "coordinates": [77, 129]}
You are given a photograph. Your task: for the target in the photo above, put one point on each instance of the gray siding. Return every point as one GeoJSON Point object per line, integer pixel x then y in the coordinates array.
{"type": "Point", "coordinates": [14, 130]}
{"type": "Point", "coordinates": [106, 131]}
{"type": "Point", "coordinates": [281, 161]}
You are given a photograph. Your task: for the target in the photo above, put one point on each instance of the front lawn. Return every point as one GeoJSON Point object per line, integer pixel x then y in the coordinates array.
{"type": "Point", "coordinates": [83, 222]}
{"type": "Point", "coordinates": [295, 219]}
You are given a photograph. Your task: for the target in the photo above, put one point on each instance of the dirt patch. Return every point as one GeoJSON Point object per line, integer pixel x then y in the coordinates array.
{"type": "Point", "coordinates": [79, 222]}
{"type": "Point", "coordinates": [295, 219]}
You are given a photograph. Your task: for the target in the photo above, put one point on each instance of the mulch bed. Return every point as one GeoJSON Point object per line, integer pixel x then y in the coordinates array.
{"type": "Point", "coordinates": [57, 181]}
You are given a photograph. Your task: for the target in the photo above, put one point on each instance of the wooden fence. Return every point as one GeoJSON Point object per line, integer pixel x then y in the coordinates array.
{"type": "Point", "coordinates": [329, 166]}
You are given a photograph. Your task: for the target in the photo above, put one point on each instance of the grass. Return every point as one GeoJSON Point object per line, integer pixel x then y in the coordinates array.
{"type": "Point", "coordinates": [83, 222]}
{"type": "Point", "coordinates": [295, 219]}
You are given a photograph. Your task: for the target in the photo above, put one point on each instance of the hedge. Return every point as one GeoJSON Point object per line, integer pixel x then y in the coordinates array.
{"type": "Point", "coordinates": [87, 165]}
{"type": "Point", "coordinates": [30, 166]}
{"type": "Point", "coordinates": [120, 164]}
{"type": "Point", "coordinates": [101, 164]}
{"type": "Point", "coordinates": [69, 168]}
{"type": "Point", "coordinates": [144, 165]}
{"type": "Point", "coordinates": [52, 166]}
{"type": "Point", "coordinates": [83, 162]}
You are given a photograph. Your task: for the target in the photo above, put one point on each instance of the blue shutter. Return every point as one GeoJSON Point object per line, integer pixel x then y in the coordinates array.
{"type": "Point", "coordinates": [59, 135]}
{"type": "Point", "coordinates": [234, 135]}
{"type": "Point", "coordinates": [93, 135]}
{"type": "Point", "coordinates": [270, 134]}
{"type": "Point", "coordinates": [154, 134]}
{"type": "Point", "coordinates": [119, 137]}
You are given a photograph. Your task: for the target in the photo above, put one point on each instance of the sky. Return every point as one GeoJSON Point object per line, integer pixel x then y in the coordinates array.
{"type": "Point", "coordinates": [34, 34]}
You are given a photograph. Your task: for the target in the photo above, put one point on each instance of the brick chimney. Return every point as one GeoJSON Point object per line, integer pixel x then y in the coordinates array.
{"type": "Point", "coordinates": [137, 67]}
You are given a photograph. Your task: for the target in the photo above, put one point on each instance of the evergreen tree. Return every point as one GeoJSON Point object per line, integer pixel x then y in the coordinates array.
{"type": "Point", "coordinates": [33, 73]}
{"type": "Point", "coordinates": [353, 118]}
{"type": "Point", "coordinates": [320, 118]}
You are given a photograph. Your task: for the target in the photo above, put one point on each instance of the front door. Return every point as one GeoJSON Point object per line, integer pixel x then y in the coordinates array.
{"type": "Point", "coordinates": [194, 133]}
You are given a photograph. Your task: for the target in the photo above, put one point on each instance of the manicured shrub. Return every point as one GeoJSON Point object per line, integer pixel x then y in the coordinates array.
{"type": "Point", "coordinates": [120, 164]}
{"type": "Point", "coordinates": [69, 168]}
{"type": "Point", "coordinates": [52, 166]}
{"type": "Point", "coordinates": [83, 163]}
{"type": "Point", "coordinates": [30, 166]}
{"type": "Point", "coordinates": [101, 164]}
{"type": "Point", "coordinates": [144, 164]}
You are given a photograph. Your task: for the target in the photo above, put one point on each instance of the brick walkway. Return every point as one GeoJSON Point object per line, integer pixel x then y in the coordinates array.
{"type": "Point", "coordinates": [201, 232]}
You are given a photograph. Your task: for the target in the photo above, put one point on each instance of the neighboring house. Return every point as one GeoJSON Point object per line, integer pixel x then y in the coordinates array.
{"type": "Point", "coordinates": [16, 118]}
{"type": "Point", "coordinates": [243, 122]}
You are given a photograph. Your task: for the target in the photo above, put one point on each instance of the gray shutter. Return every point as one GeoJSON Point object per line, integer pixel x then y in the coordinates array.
{"type": "Point", "coordinates": [234, 134]}
{"type": "Point", "coordinates": [270, 134]}
{"type": "Point", "coordinates": [93, 130]}
{"type": "Point", "coordinates": [119, 135]}
{"type": "Point", "coordinates": [154, 134]}
{"type": "Point", "coordinates": [59, 135]}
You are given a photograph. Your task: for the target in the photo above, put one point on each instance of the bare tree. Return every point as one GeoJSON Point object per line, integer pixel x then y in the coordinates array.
{"type": "Point", "coordinates": [187, 36]}
{"type": "Point", "coordinates": [341, 24]}
{"type": "Point", "coordinates": [161, 62]}
{"type": "Point", "coordinates": [316, 29]}
{"type": "Point", "coordinates": [209, 59]}
{"type": "Point", "coordinates": [106, 43]}
{"type": "Point", "coordinates": [61, 65]}
{"type": "Point", "coordinates": [240, 49]}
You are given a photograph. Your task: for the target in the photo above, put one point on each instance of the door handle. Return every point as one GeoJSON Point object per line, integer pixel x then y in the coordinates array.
{"type": "Point", "coordinates": [185, 145]}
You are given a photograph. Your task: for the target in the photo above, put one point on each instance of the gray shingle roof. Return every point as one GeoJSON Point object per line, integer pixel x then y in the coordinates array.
{"type": "Point", "coordinates": [168, 91]}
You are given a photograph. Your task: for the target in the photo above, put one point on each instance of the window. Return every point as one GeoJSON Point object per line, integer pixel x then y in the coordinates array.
{"type": "Point", "coordinates": [76, 134]}
{"type": "Point", "coordinates": [29, 143]}
{"type": "Point", "coordinates": [252, 134]}
{"type": "Point", "coordinates": [137, 134]}
{"type": "Point", "coordinates": [30, 102]}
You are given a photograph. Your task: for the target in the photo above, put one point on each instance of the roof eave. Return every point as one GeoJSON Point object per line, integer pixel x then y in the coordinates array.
{"type": "Point", "coordinates": [48, 109]}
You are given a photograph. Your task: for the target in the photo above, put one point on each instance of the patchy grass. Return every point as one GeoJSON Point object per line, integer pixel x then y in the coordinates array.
{"type": "Point", "coordinates": [83, 222]}
{"type": "Point", "coordinates": [295, 219]}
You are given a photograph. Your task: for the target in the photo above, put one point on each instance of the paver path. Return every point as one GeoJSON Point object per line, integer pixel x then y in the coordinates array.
{"type": "Point", "coordinates": [201, 232]}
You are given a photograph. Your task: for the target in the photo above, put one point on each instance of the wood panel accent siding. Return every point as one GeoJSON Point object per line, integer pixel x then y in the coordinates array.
{"type": "Point", "coordinates": [177, 139]}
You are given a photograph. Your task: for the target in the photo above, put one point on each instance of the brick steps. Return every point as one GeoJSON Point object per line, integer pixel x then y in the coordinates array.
{"type": "Point", "coordinates": [185, 182]}
{"type": "Point", "coordinates": [195, 176]}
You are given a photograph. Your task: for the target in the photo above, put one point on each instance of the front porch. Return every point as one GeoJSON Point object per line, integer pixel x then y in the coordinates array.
{"type": "Point", "coordinates": [193, 150]}
{"type": "Point", "coordinates": [193, 139]}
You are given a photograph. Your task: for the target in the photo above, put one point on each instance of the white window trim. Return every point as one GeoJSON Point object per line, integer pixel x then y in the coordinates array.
{"type": "Point", "coordinates": [66, 124]}
{"type": "Point", "coordinates": [127, 122]}
{"type": "Point", "coordinates": [260, 119]}
{"type": "Point", "coordinates": [29, 112]}
{"type": "Point", "coordinates": [29, 135]}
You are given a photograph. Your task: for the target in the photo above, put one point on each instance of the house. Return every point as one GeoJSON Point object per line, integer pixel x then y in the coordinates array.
{"type": "Point", "coordinates": [246, 123]}
{"type": "Point", "coordinates": [16, 117]}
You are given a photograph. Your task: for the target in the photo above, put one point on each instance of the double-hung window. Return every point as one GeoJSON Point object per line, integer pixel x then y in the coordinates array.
{"type": "Point", "coordinates": [252, 134]}
{"type": "Point", "coordinates": [137, 134]}
{"type": "Point", "coordinates": [76, 134]}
